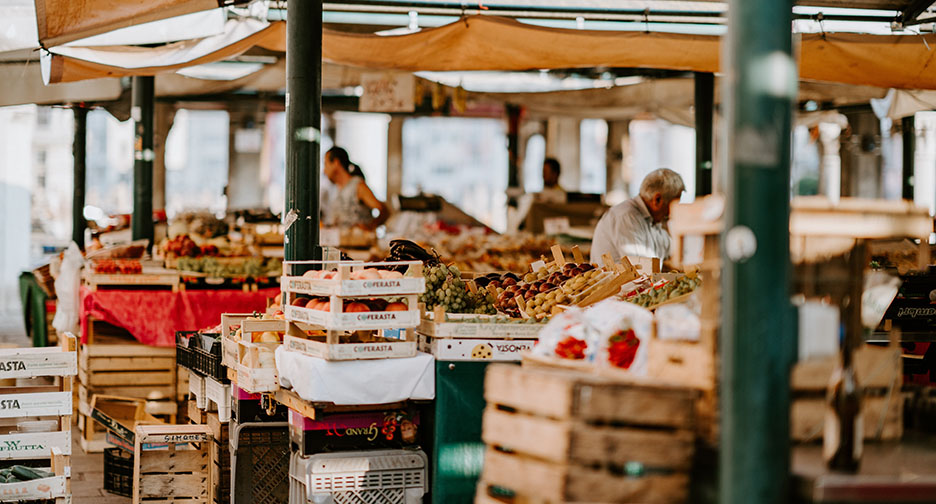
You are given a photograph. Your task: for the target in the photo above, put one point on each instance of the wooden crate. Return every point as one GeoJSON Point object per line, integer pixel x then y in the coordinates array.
{"type": "Point", "coordinates": [124, 364]}
{"type": "Point", "coordinates": [562, 436]}
{"type": "Point", "coordinates": [878, 371]}
{"type": "Point", "coordinates": [330, 347]}
{"type": "Point", "coordinates": [220, 460]}
{"type": "Point", "coordinates": [35, 399]}
{"type": "Point", "coordinates": [177, 475]}
{"type": "Point", "coordinates": [163, 279]}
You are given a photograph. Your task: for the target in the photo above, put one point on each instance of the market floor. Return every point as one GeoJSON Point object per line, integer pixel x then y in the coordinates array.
{"type": "Point", "coordinates": [87, 482]}
{"type": "Point", "coordinates": [11, 328]}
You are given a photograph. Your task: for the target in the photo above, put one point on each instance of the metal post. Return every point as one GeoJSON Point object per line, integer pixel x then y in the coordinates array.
{"type": "Point", "coordinates": [758, 343]}
{"type": "Point", "coordinates": [141, 110]}
{"type": "Point", "coordinates": [303, 128]}
{"type": "Point", "coordinates": [79, 145]}
{"type": "Point", "coordinates": [513, 146]}
{"type": "Point", "coordinates": [704, 112]}
{"type": "Point", "coordinates": [908, 135]}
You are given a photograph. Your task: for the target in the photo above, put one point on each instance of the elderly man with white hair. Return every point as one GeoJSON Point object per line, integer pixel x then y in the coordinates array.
{"type": "Point", "coordinates": [637, 227]}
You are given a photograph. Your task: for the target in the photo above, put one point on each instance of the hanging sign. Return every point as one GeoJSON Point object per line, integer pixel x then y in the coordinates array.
{"type": "Point", "coordinates": [387, 92]}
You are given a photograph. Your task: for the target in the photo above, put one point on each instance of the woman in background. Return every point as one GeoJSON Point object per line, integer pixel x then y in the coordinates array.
{"type": "Point", "coordinates": [354, 202]}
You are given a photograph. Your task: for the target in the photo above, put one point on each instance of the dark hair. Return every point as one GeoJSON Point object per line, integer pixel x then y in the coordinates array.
{"type": "Point", "coordinates": [341, 155]}
{"type": "Point", "coordinates": [553, 164]}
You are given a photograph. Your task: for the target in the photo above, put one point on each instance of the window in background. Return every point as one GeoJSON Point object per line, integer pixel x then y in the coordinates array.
{"type": "Point", "coordinates": [463, 160]}
{"type": "Point", "coordinates": [593, 155]}
{"type": "Point", "coordinates": [533, 164]}
{"type": "Point", "coordinates": [364, 136]}
{"type": "Point", "coordinates": [197, 161]}
{"type": "Point", "coordinates": [660, 144]}
{"type": "Point", "coordinates": [109, 176]}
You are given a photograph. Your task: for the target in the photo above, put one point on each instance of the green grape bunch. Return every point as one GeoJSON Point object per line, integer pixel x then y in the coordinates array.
{"type": "Point", "coordinates": [445, 287]}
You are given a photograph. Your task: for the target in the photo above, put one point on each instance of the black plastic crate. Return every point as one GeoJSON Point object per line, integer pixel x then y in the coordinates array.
{"type": "Point", "coordinates": [260, 463]}
{"type": "Point", "coordinates": [206, 356]}
{"type": "Point", "coordinates": [183, 352]}
{"type": "Point", "coordinates": [118, 472]}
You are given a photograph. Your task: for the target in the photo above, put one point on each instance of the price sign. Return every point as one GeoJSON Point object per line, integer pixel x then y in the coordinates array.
{"type": "Point", "coordinates": [387, 92]}
{"type": "Point", "coordinates": [556, 225]}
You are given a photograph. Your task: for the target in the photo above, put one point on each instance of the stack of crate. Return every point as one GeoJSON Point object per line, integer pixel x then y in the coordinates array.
{"type": "Point", "coordinates": [696, 230]}
{"type": "Point", "coordinates": [880, 374]}
{"type": "Point", "coordinates": [35, 418]}
{"type": "Point", "coordinates": [557, 435]}
{"type": "Point", "coordinates": [117, 366]}
{"type": "Point", "coordinates": [219, 450]}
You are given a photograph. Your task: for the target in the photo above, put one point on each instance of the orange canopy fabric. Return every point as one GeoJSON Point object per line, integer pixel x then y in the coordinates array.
{"type": "Point", "coordinates": [61, 21]}
{"type": "Point", "coordinates": [493, 43]}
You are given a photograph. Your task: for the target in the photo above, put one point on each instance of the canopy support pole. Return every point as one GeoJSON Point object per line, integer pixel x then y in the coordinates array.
{"type": "Point", "coordinates": [513, 146]}
{"type": "Point", "coordinates": [79, 150]}
{"type": "Point", "coordinates": [908, 136]}
{"type": "Point", "coordinates": [758, 343]}
{"type": "Point", "coordinates": [142, 102]}
{"type": "Point", "coordinates": [303, 128]}
{"type": "Point", "coordinates": [704, 117]}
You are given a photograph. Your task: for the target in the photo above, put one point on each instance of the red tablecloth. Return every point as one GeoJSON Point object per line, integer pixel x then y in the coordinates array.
{"type": "Point", "coordinates": [153, 317]}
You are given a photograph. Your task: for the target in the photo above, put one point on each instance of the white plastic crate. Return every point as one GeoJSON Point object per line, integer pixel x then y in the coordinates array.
{"type": "Point", "coordinates": [359, 477]}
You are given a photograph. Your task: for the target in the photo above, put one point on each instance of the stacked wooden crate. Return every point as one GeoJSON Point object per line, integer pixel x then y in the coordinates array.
{"type": "Point", "coordinates": [177, 474]}
{"type": "Point", "coordinates": [219, 452]}
{"type": "Point", "coordinates": [696, 230]}
{"type": "Point", "coordinates": [878, 371]}
{"type": "Point", "coordinates": [36, 418]}
{"type": "Point", "coordinates": [556, 436]}
{"type": "Point", "coordinates": [121, 367]}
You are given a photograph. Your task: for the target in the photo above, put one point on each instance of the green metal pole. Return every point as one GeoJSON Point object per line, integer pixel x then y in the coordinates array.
{"type": "Point", "coordinates": [141, 110]}
{"type": "Point", "coordinates": [303, 128]}
{"type": "Point", "coordinates": [79, 145]}
{"type": "Point", "coordinates": [704, 117]}
{"type": "Point", "coordinates": [758, 342]}
{"type": "Point", "coordinates": [908, 135]}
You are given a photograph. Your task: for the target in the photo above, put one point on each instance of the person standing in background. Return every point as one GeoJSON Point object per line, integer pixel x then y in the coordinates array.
{"type": "Point", "coordinates": [637, 227]}
{"type": "Point", "coordinates": [552, 191]}
{"type": "Point", "coordinates": [354, 202]}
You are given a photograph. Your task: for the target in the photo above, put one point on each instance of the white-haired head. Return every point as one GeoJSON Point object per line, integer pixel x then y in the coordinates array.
{"type": "Point", "coordinates": [660, 188]}
{"type": "Point", "coordinates": [664, 181]}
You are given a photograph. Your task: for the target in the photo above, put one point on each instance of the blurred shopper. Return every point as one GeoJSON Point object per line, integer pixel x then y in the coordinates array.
{"type": "Point", "coordinates": [353, 203]}
{"type": "Point", "coordinates": [552, 191]}
{"type": "Point", "coordinates": [637, 227]}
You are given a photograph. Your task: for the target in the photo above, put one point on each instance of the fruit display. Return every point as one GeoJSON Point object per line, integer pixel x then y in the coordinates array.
{"type": "Point", "coordinates": [354, 305]}
{"type": "Point", "coordinates": [118, 266]}
{"type": "Point", "coordinates": [663, 291]}
{"type": "Point", "coordinates": [544, 289]}
{"type": "Point", "coordinates": [250, 267]}
{"type": "Point", "coordinates": [445, 287]}
{"type": "Point", "coordinates": [362, 274]}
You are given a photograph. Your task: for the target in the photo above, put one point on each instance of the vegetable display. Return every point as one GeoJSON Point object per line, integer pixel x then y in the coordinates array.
{"type": "Point", "coordinates": [664, 291]}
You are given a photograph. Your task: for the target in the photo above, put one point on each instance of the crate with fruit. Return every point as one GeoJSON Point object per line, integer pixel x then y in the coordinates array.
{"type": "Point", "coordinates": [352, 310]}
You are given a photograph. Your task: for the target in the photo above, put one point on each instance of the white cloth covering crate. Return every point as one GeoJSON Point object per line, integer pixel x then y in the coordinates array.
{"type": "Point", "coordinates": [358, 382]}
{"type": "Point", "coordinates": [359, 477]}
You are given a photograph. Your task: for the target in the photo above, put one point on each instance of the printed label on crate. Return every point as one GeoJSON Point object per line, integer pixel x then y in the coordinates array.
{"type": "Point", "coordinates": [30, 362]}
{"type": "Point", "coordinates": [113, 425]}
{"type": "Point", "coordinates": [43, 488]}
{"type": "Point", "coordinates": [480, 349]}
{"type": "Point", "coordinates": [390, 429]}
{"type": "Point", "coordinates": [480, 329]}
{"type": "Point", "coordinates": [36, 404]}
{"type": "Point", "coordinates": [34, 444]}
{"type": "Point", "coordinates": [125, 445]}
{"type": "Point", "coordinates": [349, 351]}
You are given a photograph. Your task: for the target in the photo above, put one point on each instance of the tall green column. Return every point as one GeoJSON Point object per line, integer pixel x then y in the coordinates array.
{"type": "Point", "coordinates": [758, 343]}
{"type": "Point", "coordinates": [303, 128]}
{"type": "Point", "coordinates": [513, 145]}
{"type": "Point", "coordinates": [79, 149]}
{"type": "Point", "coordinates": [704, 106]}
{"type": "Point", "coordinates": [142, 103]}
